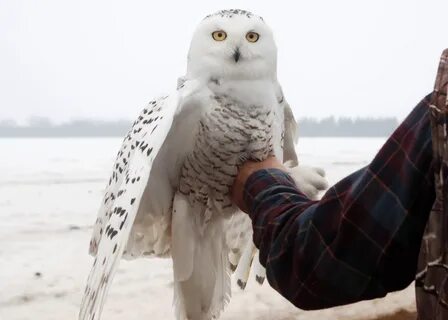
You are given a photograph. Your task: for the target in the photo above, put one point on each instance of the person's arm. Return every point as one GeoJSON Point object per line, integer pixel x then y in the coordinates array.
{"type": "Point", "coordinates": [362, 239]}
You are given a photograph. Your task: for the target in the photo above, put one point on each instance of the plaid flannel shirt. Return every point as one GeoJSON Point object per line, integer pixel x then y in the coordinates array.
{"type": "Point", "coordinates": [432, 272]}
{"type": "Point", "coordinates": [362, 239]}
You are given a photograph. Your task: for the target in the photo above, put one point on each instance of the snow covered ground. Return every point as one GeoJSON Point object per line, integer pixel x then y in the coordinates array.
{"type": "Point", "coordinates": [50, 190]}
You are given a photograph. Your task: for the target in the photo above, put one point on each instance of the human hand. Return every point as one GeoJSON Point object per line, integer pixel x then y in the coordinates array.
{"type": "Point", "coordinates": [309, 181]}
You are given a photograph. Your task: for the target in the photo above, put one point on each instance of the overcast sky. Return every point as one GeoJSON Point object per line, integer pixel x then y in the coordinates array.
{"type": "Point", "coordinates": [105, 59]}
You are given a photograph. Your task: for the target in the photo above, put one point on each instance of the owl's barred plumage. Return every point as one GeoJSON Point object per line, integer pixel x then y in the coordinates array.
{"type": "Point", "coordinates": [228, 134]}
{"type": "Point", "coordinates": [169, 189]}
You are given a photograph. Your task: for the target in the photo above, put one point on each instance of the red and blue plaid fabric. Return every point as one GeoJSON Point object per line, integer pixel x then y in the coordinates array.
{"type": "Point", "coordinates": [362, 239]}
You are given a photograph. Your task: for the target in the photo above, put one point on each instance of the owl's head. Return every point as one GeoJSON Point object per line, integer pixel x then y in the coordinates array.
{"type": "Point", "coordinates": [232, 44]}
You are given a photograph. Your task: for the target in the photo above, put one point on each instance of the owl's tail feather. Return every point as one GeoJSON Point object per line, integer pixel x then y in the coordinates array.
{"type": "Point", "coordinates": [200, 263]}
{"type": "Point", "coordinates": [260, 271]}
{"type": "Point", "coordinates": [249, 259]}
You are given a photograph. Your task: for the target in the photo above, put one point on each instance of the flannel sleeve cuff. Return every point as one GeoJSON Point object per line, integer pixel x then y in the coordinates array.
{"type": "Point", "coordinates": [260, 182]}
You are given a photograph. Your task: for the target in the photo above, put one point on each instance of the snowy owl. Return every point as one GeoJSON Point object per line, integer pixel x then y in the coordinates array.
{"type": "Point", "coordinates": [169, 191]}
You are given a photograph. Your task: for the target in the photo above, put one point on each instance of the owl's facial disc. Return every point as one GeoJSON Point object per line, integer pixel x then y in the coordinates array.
{"type": "Point", "coordinates": [232, 44]}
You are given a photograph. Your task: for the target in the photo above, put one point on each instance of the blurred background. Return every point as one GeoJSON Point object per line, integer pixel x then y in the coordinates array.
{"type": "Point", "coordinates": [74, 74]}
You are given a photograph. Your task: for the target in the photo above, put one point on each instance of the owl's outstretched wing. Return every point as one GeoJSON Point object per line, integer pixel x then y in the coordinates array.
{"type": "Point", "coordinates": [122, 198]}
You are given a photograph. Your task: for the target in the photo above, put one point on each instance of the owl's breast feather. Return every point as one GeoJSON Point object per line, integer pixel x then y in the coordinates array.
{"type": "Point", "coordinates": [228, 133]}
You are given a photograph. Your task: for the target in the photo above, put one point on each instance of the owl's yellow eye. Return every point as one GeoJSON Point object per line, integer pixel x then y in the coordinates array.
{"type": "Point", "coordinates": [252, 36]}
{"type": "Point", "coordinates": [219, 35]}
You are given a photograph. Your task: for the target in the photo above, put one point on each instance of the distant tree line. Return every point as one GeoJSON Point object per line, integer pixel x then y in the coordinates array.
{"type": "Point", "coordinates": [42, 127]}
{"type": "Point", "coordinates": [308, 127]}
{"type": "Point", "coordinates": [347, 127]}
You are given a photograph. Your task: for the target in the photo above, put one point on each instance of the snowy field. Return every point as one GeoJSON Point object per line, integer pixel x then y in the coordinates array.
{"type": "Point", "coordinates": [50, 190]}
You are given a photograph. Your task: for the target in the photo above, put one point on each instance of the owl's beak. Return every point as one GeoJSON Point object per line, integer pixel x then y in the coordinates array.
{"type": "Point", "coordinates": [236, 54]}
